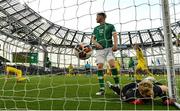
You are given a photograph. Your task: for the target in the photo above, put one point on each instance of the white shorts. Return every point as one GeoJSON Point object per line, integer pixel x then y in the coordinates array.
{"type": "Point", "coordinates": [47, 69]}
{"type": "Point", "coordinates": [103, 55]}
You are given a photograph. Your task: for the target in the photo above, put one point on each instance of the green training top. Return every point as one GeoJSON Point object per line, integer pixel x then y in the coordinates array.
{"type": "Point", "coordinates": [103, 34]}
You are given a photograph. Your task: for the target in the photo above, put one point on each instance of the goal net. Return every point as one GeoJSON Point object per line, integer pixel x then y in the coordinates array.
{"type": "Point", "coordinates": [39, 70]}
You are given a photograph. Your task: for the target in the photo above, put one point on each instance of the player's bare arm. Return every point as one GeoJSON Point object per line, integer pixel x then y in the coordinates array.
{"type": "Point", "coordinates": [115, 46]}
{"type": "Point", "coordinates": [96, 43]}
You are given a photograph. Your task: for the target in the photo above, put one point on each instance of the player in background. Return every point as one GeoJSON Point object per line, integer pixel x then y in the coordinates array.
{"type": "Point", "coordinates": [71, 69]}
{"type": "Point", "coordinates": [131, 66]}
{"type": "Point", "coordinates": [88, 69]}
{"type": "Point", "coordinates": [108, 70]}
{"type": "Point", "coordinates": [12, 70]}
{"type": "Point", "coordinates": [141, 67]}
{"type": "Point", "coordinates": [47, 65]}
{"type": "Point", "coordinates": [117, 65]}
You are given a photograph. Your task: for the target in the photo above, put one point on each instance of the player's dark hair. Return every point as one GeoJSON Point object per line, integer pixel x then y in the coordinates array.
{"type": "Point", "coordinates": [102, 14]}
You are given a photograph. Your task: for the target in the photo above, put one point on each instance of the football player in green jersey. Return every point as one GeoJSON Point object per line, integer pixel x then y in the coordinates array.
{"type": "Point", "coordinates": [102, 38]}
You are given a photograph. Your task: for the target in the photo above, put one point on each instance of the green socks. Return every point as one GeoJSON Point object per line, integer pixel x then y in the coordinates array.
{"type": "Point", "coordinates": [101, 79]}
{"type": "Point", "coordinates": [115, 76]}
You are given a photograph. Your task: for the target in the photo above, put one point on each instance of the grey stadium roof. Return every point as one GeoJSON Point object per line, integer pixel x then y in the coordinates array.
{"type": "Point", "coordinates": [20, 22]}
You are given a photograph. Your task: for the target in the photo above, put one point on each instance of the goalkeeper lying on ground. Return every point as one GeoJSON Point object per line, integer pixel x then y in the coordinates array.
{"type": "Point", "coordinates": [11, 70]}
{"type": "Point", "coordinates": [143, 92]}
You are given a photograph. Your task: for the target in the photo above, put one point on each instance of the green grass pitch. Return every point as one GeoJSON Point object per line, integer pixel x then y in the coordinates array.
{"type": "Point", "coordinates": [62, 92]}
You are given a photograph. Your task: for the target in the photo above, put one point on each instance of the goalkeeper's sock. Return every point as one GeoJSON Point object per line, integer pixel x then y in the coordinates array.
{"type": "Point", "coordinates": [101, 79]}
{"type": "Point", "coordinates": [115, 76]}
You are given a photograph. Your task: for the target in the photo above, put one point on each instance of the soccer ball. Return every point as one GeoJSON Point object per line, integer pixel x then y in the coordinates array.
{"type": "Point", "coordinates": [83, 51]}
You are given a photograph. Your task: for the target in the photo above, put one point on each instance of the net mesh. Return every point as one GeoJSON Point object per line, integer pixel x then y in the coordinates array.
{"type": "Point", "coordinates": [34, 30]}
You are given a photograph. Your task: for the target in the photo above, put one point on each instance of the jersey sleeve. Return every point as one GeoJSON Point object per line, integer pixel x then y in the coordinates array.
{"type": "Point", "coordinates": [158, 92]}
{"type": "Point", "coordinates": [128, 86]}
{"type": "Point", "coordinates": [94, 32]}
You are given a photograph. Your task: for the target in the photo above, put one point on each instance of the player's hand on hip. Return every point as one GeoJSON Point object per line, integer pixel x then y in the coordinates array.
{"type": "Point", "coordinates": [114, 49]}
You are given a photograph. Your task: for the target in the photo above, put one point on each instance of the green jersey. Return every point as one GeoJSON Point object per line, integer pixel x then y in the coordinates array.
{"type": "Point", "coordinates": [103, 34]}
{"type": "Point", "coordinates": [131, 63]}
{"type": "Point", "coordinates": [48, 63]}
